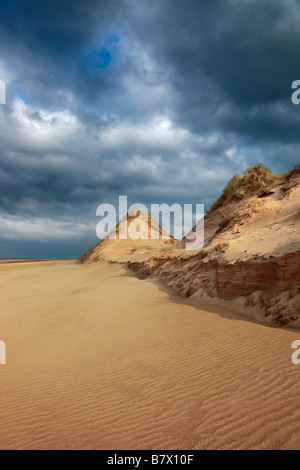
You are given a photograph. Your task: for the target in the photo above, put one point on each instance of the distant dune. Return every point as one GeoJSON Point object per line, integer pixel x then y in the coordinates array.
{"type": "Point", "coordinates": [250, 262]}
{"type": "Point", "coordinates": [123, 249]}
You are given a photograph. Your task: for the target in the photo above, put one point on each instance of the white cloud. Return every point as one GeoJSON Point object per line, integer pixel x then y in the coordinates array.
{"type": "Point", "coordinates": [43, 230]}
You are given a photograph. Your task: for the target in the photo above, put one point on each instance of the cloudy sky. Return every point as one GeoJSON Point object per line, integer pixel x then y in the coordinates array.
{"type": "Point", "coordinates": [161, 100]}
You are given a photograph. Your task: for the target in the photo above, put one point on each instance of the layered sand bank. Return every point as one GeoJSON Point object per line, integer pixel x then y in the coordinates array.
{"type": "Point", "coordinates": [250, 261]}
{"type": "Point", "coordinates": [97, 359]}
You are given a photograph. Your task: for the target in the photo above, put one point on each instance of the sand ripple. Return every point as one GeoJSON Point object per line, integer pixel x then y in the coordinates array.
{"type": "Point", "coordinates": [100, 360]}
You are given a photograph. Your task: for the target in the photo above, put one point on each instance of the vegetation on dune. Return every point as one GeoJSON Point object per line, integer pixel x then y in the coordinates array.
{"type": "Point", "coordinates": [229, 191]}
{"type": "Point", "coordinates": [258, 176]}
{"type": "Point", "coordinates": [294, 172]}
{"type": "Point", "coordinates": [255, 178]}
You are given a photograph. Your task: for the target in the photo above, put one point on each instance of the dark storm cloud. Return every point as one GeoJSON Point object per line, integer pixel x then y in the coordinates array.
{"type": "Point", "coordinates": [162, 101]}
{"type": "Point", "coordinates": [243, 53]}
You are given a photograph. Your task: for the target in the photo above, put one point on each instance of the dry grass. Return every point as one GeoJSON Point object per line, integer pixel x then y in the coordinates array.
{"type": "Point", "coordinates": [293, 173]}
{"type": "Point", "coordinates": [255, 178]}
{"type": "Point", "coordinates": [229, 191]}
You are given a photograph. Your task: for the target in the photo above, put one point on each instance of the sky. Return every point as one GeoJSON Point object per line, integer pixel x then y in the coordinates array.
{"type": "Point", "coordinates": [162, 101]}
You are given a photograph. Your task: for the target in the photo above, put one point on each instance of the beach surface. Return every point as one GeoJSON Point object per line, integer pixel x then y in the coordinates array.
{"type": "Point", "coordinates": [97, 359]}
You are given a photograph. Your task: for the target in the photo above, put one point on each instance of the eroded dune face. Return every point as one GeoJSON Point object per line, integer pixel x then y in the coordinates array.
{"type": "Point", "coordinates": [251, 256]}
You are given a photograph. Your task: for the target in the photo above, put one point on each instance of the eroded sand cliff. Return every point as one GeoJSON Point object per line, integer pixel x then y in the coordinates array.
{"type": "Point", "coordinates": [250, 261]}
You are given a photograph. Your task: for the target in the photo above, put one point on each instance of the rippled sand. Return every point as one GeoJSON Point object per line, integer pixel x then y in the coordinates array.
{"type": "Point", "coordinates": [97, 359]}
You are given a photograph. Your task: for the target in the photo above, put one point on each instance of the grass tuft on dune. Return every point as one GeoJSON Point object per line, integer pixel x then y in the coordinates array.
{"type": "Point", "coordinates": [255, 178]}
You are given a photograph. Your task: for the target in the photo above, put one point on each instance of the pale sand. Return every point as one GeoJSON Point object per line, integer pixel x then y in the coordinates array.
{"type": "Point", "coordinates": [97, 359]}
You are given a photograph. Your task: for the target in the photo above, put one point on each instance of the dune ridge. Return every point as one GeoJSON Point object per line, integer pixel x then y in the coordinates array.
{"type": "Point", "coordinates": [118, 248]}
{"type": "Point", "coordinates": [250, 261]}
{"type": "Point", "coordinates": [251, 258]}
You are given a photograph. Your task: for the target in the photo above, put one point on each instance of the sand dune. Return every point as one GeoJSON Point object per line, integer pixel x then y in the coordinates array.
{"type": "Point", "coordinates": [97, 359]}
{"type": "Point", "coordinates": [250, 261]}
{"type": "Point", "coordinates": [151, 238]}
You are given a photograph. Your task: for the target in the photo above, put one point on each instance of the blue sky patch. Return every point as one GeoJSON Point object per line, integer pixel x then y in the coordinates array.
{"type": "Point", "coordinates": [101, 58]}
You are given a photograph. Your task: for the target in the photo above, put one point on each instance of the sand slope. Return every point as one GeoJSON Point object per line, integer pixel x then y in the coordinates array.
{"type": "Point", "coordinates": [100, 360]}
{"type": "Point", "coordinates": [250, 261]}
{"type": "Point", "coordinates": [136, 234]}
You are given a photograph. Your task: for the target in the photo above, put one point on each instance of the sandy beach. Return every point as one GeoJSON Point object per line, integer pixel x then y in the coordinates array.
{"type": "Point", "coordinates": [97, 359]}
